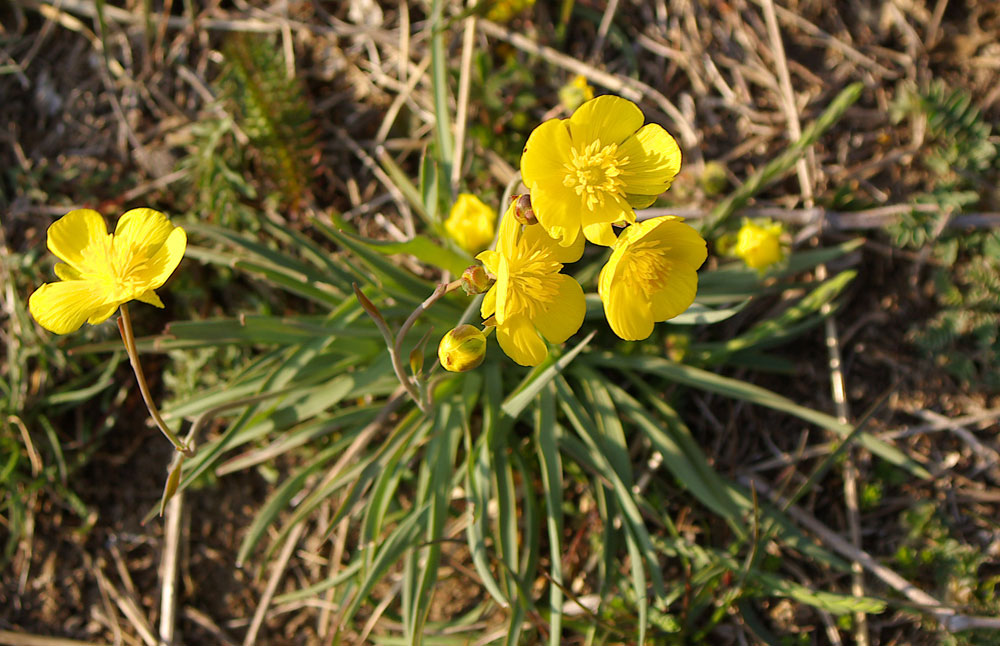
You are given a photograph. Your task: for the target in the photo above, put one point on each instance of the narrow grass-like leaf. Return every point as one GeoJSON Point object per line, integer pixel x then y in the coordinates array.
{"type": "Point", "coordinates": [687, 462]}
{"type": "Point", "coordinates": [439, 80]}
{"type": "Point", "coordinates": [439, 461]}
{"type": "Point", "coordinates": [704, 380]}
{"type": "Point", "coordinates": [538, 379]}
{"type": "Point", "coordinates": [837, 604]}
{"type": "Point", "coordinates": [479, 482]}
{"type": "Point", "coordinates": [278, 501]}
{"type": "Point", "coordinates": [576, 412]}
{"type": "Point", "coordinates": [425, 250]}
{"type": "Point", "coordinates": [407, 285]}
{"type": "Point", "coordinates": [550, 463]}
{"type": "Point", "coordinates": [771, 331]}
{"type": "Point", "coordinates": [784, 162]}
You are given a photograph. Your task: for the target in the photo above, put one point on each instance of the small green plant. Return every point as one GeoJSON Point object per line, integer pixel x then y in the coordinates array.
{"type": "Point", "coordinates": [963, 336]}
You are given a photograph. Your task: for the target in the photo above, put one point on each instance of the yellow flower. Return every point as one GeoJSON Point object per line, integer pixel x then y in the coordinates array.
{"type": "Point", "coordinates": [531, 299]}
{"type": "Point", "coordinates": [505, 10]}
{"type": "Point", "coordinates": [592, 170]}
{"type": "Point", "coordinates": [462, 349]}
{"type": "Point", "coordinates": [652, 275]}
{"type": "Point", "coordinates": [102, 271]}
{"type": "Point", "coordinates": [471, 223]}
{"type": "Point", "coordinates": [759, 244]}
{"type": "Point", "coordinates": [576, 92]}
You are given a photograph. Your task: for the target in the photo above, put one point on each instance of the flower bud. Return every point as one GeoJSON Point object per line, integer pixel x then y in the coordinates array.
{"type": "Point", "coordinates": [462, 349]}
{"type": "Point", "coordinates": [523, 212]}
{"type": "Point", "coordinates": [714, 179]}
{"type": "Point", "coordinates": [759, 245]}
{"type": "Point", "coordinates": [475, 280]}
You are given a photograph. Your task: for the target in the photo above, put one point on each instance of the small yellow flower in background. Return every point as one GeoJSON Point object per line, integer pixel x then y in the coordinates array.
{"type": "Point", "coordinates": [471, 223]}
{"type": "Point", "coordinates": [759, 244]}
{"type": "Point", "coordinates": [531, 299]}
{"type": "Point", "coordinates": [594, 169]}
{"type": "Point", "coordinates": [102, 271]}
{"type": "Point", "coordinates": [505, 10]}
{"type": "Point", "coordinates": [652, 275]}
{"type": "Point", "coordinates": [462, 349]}
{"type": "Point", "coordinates": [575, 93]}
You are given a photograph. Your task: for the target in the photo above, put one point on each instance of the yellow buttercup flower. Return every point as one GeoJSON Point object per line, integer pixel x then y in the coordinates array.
{"type": "Point", "coordinates": [652, 275]}
{"type": "Point", "coordinates": [592, 170]}
{"type": "Point", "coordinates": [102, 271]}
{"type": "Point", "coordinates": [531, 299]}
{"type": "Point", "coordinates": [471, 223]}
{"type": "Point", "coordinates": [759, 244]}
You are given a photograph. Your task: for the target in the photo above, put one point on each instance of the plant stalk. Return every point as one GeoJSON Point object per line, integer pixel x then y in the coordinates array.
{"type": "Point", "coordinates": [128, 337]}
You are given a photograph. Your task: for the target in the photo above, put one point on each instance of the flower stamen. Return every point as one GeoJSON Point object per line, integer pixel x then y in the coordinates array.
{"type": "Point", "coordinates": [595, 173]}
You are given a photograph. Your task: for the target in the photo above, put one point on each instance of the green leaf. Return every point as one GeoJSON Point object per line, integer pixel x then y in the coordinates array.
{"type": "Point", "coordinates": [539, 378]}
{"type": "Point", "coordinates": [711, 382]}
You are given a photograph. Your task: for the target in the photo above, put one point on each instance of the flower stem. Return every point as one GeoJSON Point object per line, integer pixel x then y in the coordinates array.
{"type": "Point", "coordinates": [128, 337]}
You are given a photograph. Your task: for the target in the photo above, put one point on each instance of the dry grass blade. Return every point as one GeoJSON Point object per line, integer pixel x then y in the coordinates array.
{"type": "Point", "coordinates": [8, 638]}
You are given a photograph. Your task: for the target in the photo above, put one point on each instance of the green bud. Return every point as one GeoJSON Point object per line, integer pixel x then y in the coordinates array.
{"type": "Point", "coordinates": [462, 349]}
{"type": "Point", "coordinates": [714, 179]}
{"type": "Point", "coordinates": [475, 280]}
{"type": "Point", "coordinates": [523, 212]}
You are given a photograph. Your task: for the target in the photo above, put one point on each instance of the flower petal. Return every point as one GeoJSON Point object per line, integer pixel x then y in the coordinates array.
{"type": "Point", "coordinates": [628, 311]}
{"type": "Point", "coordinates": [677, 294]}
{"type": "Point", "coordinates": [545, 155]}
{"type": "Point", "coordinates": [520, 341]}
{"type": "Point", "coordinates": [537, 236]}
{"type": "Point", "coordinates": [685, 245]}
{"type": "Point", "coordinates": [654, 159]}
{"type": "Point", "coordinates": [502, 287]}
{"type": "Point", "coordinates": [150, 298]}
{"type": "Point", "coordinates": [103, 313]}
{"type": "Point", "coordinates": [608, 119]}
{"type": "Point", "coordinates": [565, 316]}
{"type": "Point", "coordinates": [154, 272]}
{"type": "Point", "coordinates": [142, 229]}
{"type": "Point", "coordinates": [72, 233]}
{"type": "Point", "coordinates": [67, 272]}
{"type": "Point", "coordinates": [64, 306]}
{"type": "Point", "coordinates": [554, 211]}
{"type": "Point", "coordinates": [600, 233]}
{"type": "Point", "coordinates": [489, 304]}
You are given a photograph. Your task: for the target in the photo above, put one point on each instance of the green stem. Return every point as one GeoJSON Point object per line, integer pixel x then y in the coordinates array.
{"type": "Point", "coordinates": [125, 327]}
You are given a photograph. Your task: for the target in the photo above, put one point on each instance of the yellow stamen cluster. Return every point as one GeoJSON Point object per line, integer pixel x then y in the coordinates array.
{"type": "Point", "coordinates": [595, 172]}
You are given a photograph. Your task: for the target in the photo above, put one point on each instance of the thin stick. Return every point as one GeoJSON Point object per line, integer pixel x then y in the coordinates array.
{"type": "Point", "coordinates": [272, 584]}
{"type": "Point", "coordinates": [8, 638]}
{"type": "Point", "coordinates": [168, 569]}
{"type": "Point", "coordinates": [602, 29]}
{"type": "Point", "coordinates": [125, 327]}
{"type": "Point", "coordinates": [464, 81]}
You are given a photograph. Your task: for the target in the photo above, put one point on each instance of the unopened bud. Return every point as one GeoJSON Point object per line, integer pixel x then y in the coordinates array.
{"type": "Point", "coordinates": [475, 280]}
{"type": "Point", "coordinates": [523, 212]}
{"type": "Point", "coordinates": [417, 360]}
{"type": "Point", "coordinates": [462, 349]}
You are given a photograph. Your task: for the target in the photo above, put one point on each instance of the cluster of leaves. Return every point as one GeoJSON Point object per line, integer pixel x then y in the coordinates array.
{"type": "Point", "coordinates": [574, 424]}
{"type": "Point", "coordinates": [262, 140]}
{"type": "Point", "coordinates": [40, 388]}
{"type": "Point", "coordinates": [963, 335]}
{"type": "Point", "coordinates": [930, 550]}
